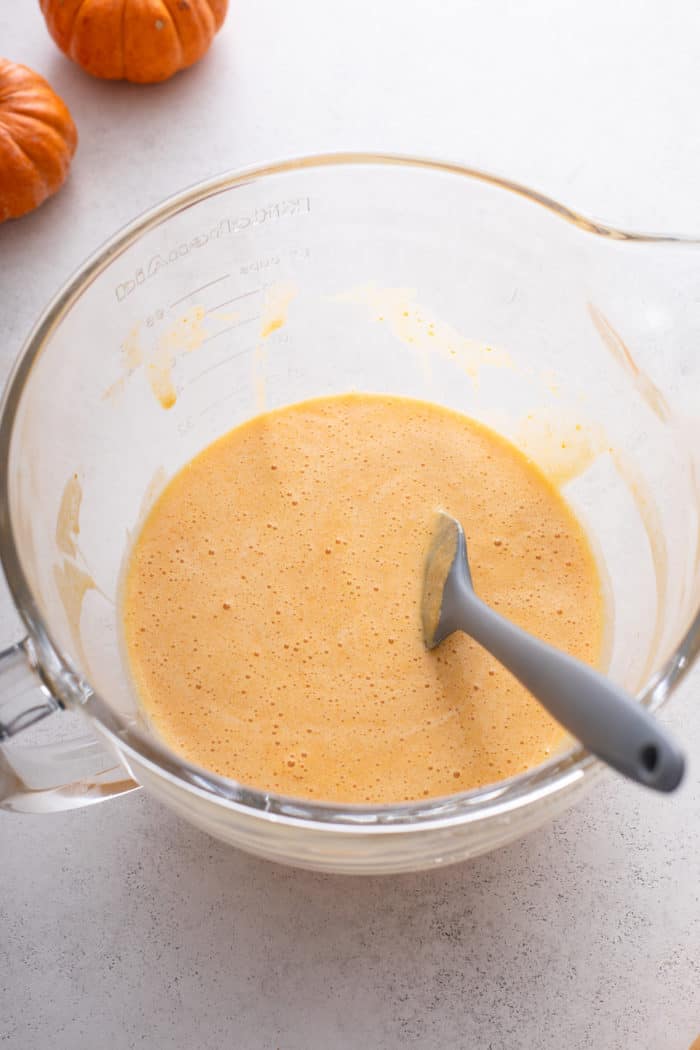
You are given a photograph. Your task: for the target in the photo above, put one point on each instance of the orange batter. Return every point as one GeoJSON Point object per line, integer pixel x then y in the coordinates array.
{"type": "Point", "coordinates": [272, 603]}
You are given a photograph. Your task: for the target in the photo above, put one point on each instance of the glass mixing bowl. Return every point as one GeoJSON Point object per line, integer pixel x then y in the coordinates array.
{"type": "Point", "coordinates": [320, 276]}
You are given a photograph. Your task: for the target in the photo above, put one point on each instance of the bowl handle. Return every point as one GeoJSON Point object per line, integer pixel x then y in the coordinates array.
{"type": "Point", "coordinates": [47, 778]}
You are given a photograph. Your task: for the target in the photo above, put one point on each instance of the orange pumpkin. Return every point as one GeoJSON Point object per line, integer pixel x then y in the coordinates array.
{"type": "Point", "coordinates": [37, 140]}
{"type": "Point", "coordinates": [140, 40]}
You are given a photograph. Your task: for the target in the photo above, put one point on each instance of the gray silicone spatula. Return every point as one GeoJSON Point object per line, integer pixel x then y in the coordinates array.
{"type": "Point", "coordinates": [606, 720]}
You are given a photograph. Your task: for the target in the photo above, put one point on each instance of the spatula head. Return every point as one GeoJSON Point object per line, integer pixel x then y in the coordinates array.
{"type": "Point", "coordinates": [446, 572]}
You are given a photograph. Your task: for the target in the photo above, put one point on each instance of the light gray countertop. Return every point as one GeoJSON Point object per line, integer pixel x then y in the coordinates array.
{"type": "Point", "coordinates": [122, 927]}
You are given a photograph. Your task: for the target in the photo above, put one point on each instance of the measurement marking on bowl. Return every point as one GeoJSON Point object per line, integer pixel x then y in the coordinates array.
{"type": "Point", "coordinates": [221, 401]}
{"type": "Point", "coordinates": [194, 291]}
{"type": "Point", "coordinates": [237, 324]}
{"type": "Point", "coordinates": [220, 364]}
{"type": "Point", "coordinates": [235, 299]}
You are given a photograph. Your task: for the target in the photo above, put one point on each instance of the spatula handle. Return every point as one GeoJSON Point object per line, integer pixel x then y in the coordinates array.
{"type": "Point", "coordinates": [602, 716]}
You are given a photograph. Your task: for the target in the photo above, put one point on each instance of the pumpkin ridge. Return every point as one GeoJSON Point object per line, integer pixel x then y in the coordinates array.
{"type": "Point", "coordinates": [202, 27]}
{"type": "Point", "coordinates": [38, 106]}
{"type": "Point", "coordinates": [18, 84]}
{"type": "Point", "coordinates": [20, 149]}
{"type": "Point", "coordinates": [77, 11]}
{"type": "Point", "coordinates": [18, 91]}
{"type": "Point", "coordinates": [59, 123]}
{"type": "Point", "coordinates": [217, 24]}
{"type": "Point", "coordinates": [122, 33]}
{"type": "Point", "coordinates": [43, 125]}
{"type": "Point", "coordinates": [176, 28]}
{"type": "Point", "coordinates": [28, 192]}
{"type": "Point", "coordinates": [7, 92]}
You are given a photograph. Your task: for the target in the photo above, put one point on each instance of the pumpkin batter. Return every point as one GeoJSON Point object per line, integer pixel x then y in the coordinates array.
{"type": "Point", "coordinates": [272, 603]}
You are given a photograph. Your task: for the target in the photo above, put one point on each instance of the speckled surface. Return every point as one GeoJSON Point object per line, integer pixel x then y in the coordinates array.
{"type": "Point", "coordinates": [121, 926]}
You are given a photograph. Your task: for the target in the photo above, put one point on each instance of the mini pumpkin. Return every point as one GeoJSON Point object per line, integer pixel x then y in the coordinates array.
{"type": "Point", "coordinates": [140, 40]}
{"type": "Point", "coordinates": [37, 140]}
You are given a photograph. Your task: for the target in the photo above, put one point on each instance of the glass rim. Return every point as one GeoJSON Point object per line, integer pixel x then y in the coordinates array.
{"type": "Point", "coordinates": [543, 781]}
